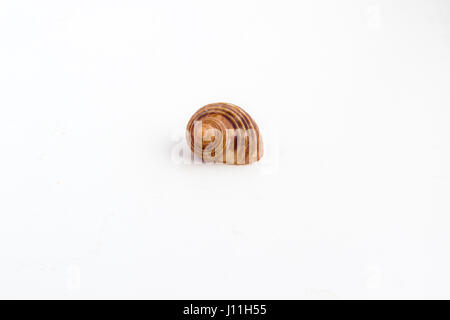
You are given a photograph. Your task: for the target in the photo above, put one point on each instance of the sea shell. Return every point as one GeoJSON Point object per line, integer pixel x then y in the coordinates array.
{"type": "Point", "coordinates": [224, 133]}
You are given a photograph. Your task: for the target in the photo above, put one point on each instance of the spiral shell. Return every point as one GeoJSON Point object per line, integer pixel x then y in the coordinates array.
{"type": "Point", "coordinates": [222, 132]}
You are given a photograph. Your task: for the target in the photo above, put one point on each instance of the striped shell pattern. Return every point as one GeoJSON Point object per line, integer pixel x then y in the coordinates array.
{"type": "Point", "coordinates": [224, 133]}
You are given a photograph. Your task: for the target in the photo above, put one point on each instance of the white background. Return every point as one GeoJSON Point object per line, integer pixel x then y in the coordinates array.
{"type": "Point", "coordinates": [350, 201]}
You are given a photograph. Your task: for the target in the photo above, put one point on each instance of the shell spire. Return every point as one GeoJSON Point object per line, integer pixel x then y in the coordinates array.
{"type": "Point", "coordinates": [224, 133]}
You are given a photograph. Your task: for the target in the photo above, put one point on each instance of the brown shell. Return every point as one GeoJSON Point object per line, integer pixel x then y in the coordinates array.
{"type": "Point", "coordinates": [222, 132]}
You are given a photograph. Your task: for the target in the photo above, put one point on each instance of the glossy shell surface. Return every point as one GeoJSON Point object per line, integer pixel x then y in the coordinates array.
{"type": "Point", "coordinates": [224, 133]}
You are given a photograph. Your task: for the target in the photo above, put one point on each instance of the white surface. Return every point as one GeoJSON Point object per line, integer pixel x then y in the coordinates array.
{"type": "Point", "coordinates": [353, 101]}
